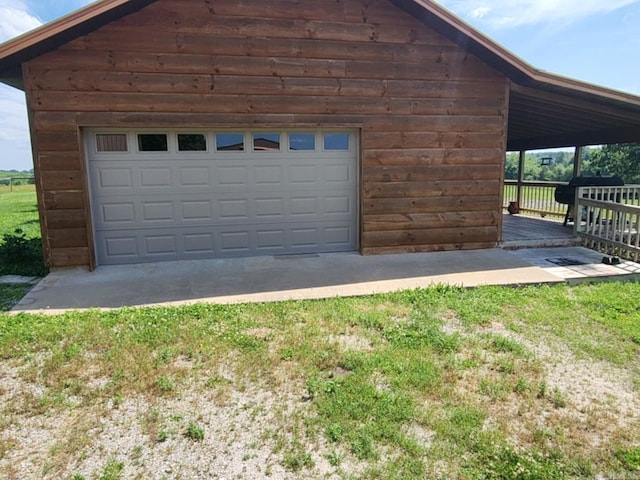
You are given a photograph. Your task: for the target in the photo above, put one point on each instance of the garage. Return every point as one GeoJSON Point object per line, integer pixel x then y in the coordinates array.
{"type": "Point", "coordinates": [191, 129]}
{"type": "Point", "coordinates": [193, 194]}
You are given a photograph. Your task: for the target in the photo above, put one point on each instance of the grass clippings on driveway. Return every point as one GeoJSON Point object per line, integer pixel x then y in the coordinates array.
{"type": "Point", "coordinates": [533, 383]}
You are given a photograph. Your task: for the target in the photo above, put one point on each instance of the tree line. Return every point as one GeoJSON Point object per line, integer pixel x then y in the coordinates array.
{"type": "Point", "coordinates": [622, 160]}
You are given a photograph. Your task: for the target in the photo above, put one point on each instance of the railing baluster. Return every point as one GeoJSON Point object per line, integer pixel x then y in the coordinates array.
{"type": "Point", "coordinates": [613, 219]}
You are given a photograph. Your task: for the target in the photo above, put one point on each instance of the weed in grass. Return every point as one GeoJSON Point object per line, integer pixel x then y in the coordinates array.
{"type": "Point", "coordinates": [494, 389]}
{"type": "Point", "coordinates": [334, 432]}
{"type": "Point", "coordinates": [6, 444]}
{"type": "Point", "coordinates": [398, 469]}
{"type": "Point", "coordinates": [460, 425]}
{"type": "Point", "coordinates": [630, 458]}
{"type": "Point", "coordinates": [165, 356]}
{"type": "Point", "coordinates": [297, 458]}
{"type": "Point", "coordinates": [416, 335]}
{"type": "Point", "coordinates": [506, 365]}
{"type": "Point", "coordinates": [217, 381]}
{"type": "Point", "coordinates": [164, 384]}
{"type": "Point", "coordinates": [522, 385]}
{"type": "Point", "coordinates": [505, 463]}
{"type": "Point", "coordinates": [361, 443]}
{"type": "Point", "coordinates": [77, 476]}
{"type": "Point", "coordinates": [541, 436]}
{"type": "Point", "coordinates": [506, 345]}
{"type": "Point", "coordinates": [558, 398]}
{"type": "Point", "coordinates": [112, 470]}
{"type": "Point", "coordinates": [287, 353]}
{"type": "Point", "coordinates": [153, 425]}
{"type": "Point", "coordinates": [334, 459]}
{"type": "Point", "coordinates": [542, 390]}
{"type": "Point", "coordinates": [195, 432]}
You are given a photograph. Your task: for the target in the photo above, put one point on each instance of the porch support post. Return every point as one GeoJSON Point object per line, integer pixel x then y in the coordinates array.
{"type": "Point", "coordinates": [577, 161]}
{"type": "Point", "coordinates": [521, 176]}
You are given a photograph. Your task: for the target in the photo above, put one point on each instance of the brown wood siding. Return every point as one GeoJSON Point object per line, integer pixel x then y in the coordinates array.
{"type": "Point", "coordinates": [432, 115]}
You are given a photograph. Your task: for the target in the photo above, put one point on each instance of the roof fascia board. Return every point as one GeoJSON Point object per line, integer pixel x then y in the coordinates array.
{"type": "Point", "coordinates": [499, 57]}
{"type": "Point", "coordinates": [614, 135]}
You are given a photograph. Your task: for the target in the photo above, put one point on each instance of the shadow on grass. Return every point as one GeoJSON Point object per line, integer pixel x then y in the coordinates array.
{"type": "Point", "coordinates": [11, 294]}
{"type": "Point", "coordinates": [20, 255]}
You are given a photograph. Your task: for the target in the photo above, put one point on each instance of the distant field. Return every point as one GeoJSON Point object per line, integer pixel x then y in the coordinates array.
{"type": "Point", "coordinates": [4, 188]}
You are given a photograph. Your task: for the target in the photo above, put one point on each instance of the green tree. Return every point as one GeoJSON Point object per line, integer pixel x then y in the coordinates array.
{"type": "Point", "coordinates": [617, 159]}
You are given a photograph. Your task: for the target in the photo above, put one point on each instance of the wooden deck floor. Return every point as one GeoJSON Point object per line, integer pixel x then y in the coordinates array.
{"type": "Point", "coordinates": [523, 231]}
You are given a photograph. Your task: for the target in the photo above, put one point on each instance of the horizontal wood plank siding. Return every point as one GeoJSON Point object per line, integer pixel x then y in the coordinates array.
{"type": "Point", "coordinates": [432, 115]}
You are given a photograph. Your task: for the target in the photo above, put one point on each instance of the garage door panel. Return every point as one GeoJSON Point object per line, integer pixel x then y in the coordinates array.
{"type": "Point", "coordinates": [161, 245]}
{"type": "Point", "coordinates": [270, 239]}
{"type": "Point", "coordinates": [120, 178]}
{"type": "Point", "coordinates": [271, 175]}
{"type": "Point", "coordinates": [195, 177]}
{"type": "Point", "coordinates": [339, 236]}
{"type": "Point", "coordinates": [155, 177]}
{"type": "Point", "coordinates": [337, 174]}
{"type": "Point", "coordinates": [237, 242]}
{"type": "Point", "coordinates": [272, 208]}
{"type": "Point", "coordinates": [232, 175]}
{"type": "Point", "coordinates": [121, 247]}
{"type": "Point", "coordinates": [141, 213]}
{"type": "Point", "coordinates": [234, 209]}
{"type": "Point", "coordinates": [176, 205]}
{"type": "Point", "coordinates": [337, 205]}
{"type": "Point", "coordinates": [199, 243]}
{"type": "Point", "coordinates": [118, 214]}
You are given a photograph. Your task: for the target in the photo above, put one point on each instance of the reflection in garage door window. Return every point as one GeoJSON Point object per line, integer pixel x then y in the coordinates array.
{"type": "Point", "coordinates": [192, 142]}
{"type": "Point", "coordinates": [336, 141]}
{"type": "Point", "coordinates": [111, 142]}
{"type": "Point", "coordinates": [152, 142]}
{"type": "Point", "coordinates": [230, 142]}
{"type": "Point", "coordinates": [266, 142]}
{"type": "Point", "coordinates": [302, 141]}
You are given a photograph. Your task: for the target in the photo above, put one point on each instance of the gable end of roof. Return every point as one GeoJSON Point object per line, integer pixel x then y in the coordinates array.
{"type": "Point", "coordinates": [50, 36]}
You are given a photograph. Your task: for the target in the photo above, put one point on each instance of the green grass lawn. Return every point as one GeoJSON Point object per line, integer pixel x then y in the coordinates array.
{"type": "Point", "coordinates": [490, 383]}
{"type": "Point", "coordinates": [19, 210]}
{"type": "Point", "coordinates": [21, 254]}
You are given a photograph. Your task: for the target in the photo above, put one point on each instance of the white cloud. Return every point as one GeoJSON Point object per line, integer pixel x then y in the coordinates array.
{"type": "Point", "coordinates": [14, 126]}
{"type": "Point", "coordinates": [16, 19]}
{"type": "Point", "coordinates": [479, 12]}
{"type": "Point", "coordinates": [14, 130]}
{"type": "Point", "coordinates": [512, 13]}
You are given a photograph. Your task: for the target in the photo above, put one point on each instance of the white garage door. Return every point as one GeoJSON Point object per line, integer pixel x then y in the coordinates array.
{"type": "Point", "coordinates": [173, 195]}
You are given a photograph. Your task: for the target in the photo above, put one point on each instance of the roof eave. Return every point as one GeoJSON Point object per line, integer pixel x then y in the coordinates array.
{"type": "Point", "coordinates": [50, 36]}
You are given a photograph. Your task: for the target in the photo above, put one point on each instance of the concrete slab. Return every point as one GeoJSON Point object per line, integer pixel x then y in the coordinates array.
{"type": "Point", "coordinates": [262, 279]}
{"type": "Point", "coordinates": [578, 264]}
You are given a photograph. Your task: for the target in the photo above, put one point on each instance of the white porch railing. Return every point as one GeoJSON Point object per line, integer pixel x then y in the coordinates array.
{"type": "Point", "coordinates": [608, 219]}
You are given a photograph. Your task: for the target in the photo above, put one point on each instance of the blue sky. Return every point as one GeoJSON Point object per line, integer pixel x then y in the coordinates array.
{"type": "Point", "coordinates": [597, 41]}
